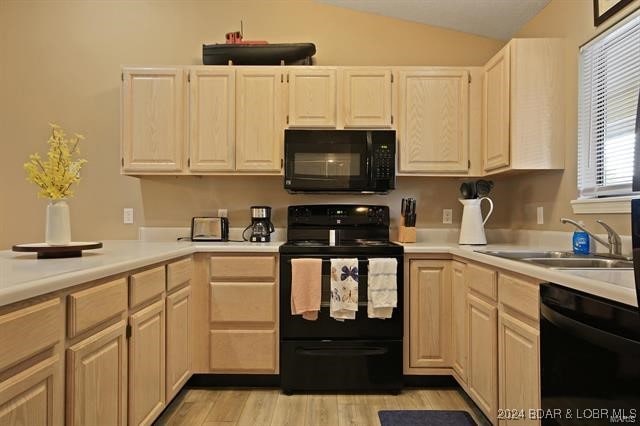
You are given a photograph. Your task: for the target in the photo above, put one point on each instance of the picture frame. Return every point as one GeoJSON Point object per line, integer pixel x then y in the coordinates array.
{"type": "Point", "coordinates": [605, 9]}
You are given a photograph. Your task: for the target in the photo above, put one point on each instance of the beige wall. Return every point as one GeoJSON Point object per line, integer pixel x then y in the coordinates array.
{"type": "Point", "coordinates": [61, 63]}
{"type": "Point", "coordinates": [572, 20]}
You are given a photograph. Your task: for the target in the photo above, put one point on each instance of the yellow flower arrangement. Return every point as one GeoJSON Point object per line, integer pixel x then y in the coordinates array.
{"type": "Point", "coordinates": [56, 175]}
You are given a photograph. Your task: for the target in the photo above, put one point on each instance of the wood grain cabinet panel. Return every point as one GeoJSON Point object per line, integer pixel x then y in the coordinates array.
{"type": "Point", "coordinates": [496, 111]}
{"type": "Point", "coordinates": [153, 119]}
{"type": "Point", "coordinates": [243, 350]}
{"type": "Point", "coordinates": [97, 379]}
{"type": "Point", "coordinates": [433, 121]}
{"type": "Point", "coordinates": [147, 364]}
{"type": "Point", "coordinates": [32, 397]}
{"type": "Point", "coordinates": [482, 280]}
{"type": "Point", "coordinates": [212, 119]}
{"type": "Point", "coordinates": [179, 342]}
{"type": "Point", "coordinates": [459, 321]}
{"type": "Point", "coordinates": [243, 302]}
{"type": "Point", "coordinates": [520, 294]}
{"type": "Point", "coordinates": [367, 97]}
{"type": "Point", "coordinates": [482, 376]}
{"type": "Point", "coordinates": [519, 368]}
{"type": "Point", "coordinates": [312, 97]}
{"type": "Point", "coordinates": [430, 313]}
{"type": "Point", "coordinates": [147, 285]}
{"type": "Point", "coordinates": [243, 267]}
{"type": "Point", "coordinates": [179, 273]}
{"type": "Point", "coordinates": [90, 307]}
{"type": "Point", "coordinates": [29, 331]}
{"type": "Point", "coordinates": [259, 119]}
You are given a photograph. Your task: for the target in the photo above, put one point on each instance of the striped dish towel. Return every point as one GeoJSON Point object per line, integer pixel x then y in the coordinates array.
{"type": "Point", "coordinates": [383, 288]}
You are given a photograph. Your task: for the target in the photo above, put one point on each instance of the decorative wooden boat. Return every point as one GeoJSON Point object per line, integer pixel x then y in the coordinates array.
{"type": "Point", "coordinates": [258, 54]}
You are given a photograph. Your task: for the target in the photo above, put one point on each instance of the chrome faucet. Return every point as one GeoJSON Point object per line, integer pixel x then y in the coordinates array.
{"type": "Point", "coordinates": [614, 244]}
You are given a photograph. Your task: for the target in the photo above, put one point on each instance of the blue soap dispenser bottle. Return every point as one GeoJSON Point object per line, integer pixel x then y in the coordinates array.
{"type": "Point", "coordinates": [581, 241]}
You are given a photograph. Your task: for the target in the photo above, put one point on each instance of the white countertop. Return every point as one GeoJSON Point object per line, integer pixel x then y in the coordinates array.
{"type": "Point", "coordinates": [22, 276]}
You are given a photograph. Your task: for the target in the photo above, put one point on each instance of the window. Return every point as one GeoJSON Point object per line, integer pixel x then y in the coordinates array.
{"type": "Point", "coordinates": [608, 98]}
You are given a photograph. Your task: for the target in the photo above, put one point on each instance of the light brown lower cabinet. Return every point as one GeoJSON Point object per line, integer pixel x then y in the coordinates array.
{"type": "Point", "coordinates": [179, 342]}
{"type": "Point", "coordinates": [243, 351]}
{"type": "Point", "coordinates": [459, 322]}
{"type": "Point", "coordinates": [430, 313]}
{"type": "Point", "coordinates": [29, 397]}
{"type": "Point", "coordinates": [519, 368]}
{"type": "Point", "coordinates": [147, 364]}
{"type": "Point", "coordinates": [97, 378]}
{"type": "Point", "coordinates": [482, 376]}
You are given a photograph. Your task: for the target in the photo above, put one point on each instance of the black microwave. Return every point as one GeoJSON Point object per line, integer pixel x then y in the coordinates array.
{"type": "Point", "coordinates": [361, 161]}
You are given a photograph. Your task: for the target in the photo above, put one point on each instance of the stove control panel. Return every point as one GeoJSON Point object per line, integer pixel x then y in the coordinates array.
{"type": "Point", "coordinates": [335, 214]}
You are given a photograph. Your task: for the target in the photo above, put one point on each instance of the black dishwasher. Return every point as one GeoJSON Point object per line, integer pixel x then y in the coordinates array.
{"type": "Point", "coordinates": [590, 359]}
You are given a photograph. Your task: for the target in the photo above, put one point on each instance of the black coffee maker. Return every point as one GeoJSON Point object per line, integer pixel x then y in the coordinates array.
{"type": "Point", "coordinates": [261, 226]}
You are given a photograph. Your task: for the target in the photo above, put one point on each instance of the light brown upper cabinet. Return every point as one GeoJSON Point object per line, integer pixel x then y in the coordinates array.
{"type": "Point", "coordinates": [212, 93]}
{"type": "Point", "coordinates": [433, 125]}
{"type": "Point", "coordinates": [153, 119]}
{"type": "Point", "coordinates": [312, 97]}
{"type": "Point", "coordinates": [259, 123]}
{"type": "Point", "coordinates": [523, 111]}
{"type": "Point", "coordinates": [367, 97]}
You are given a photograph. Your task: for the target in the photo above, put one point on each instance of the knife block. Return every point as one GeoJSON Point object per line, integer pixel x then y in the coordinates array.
{"type": "Point", "coordinates": [406, 234]}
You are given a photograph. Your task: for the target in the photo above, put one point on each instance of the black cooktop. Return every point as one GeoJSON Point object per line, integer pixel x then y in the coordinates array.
{"type": "Point", "coordinates": [357, 247]}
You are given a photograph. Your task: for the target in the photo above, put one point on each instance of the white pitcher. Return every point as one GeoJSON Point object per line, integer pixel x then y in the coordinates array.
{"type": "Point", "coordinates": [472, 228]}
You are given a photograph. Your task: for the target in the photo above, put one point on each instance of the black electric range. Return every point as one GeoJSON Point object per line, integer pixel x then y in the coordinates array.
{"type": "Point", "coordinates": [363, 354]}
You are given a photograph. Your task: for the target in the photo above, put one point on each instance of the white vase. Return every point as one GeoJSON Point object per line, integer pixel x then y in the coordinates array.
{"type": "Point", "coordinates": [58, 227]}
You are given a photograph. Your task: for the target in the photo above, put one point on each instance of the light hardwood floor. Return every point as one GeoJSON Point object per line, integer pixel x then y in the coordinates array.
{"type": "Point", "coordinates": [255, 407]}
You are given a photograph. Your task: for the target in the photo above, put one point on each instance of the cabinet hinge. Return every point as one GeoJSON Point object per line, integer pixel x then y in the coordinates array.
{"type": "Point", "coordinates": [392, 119]}
{"type": "Point", "coordinates": [122, 76]}
{"type": "Point", "coordinates": [469, 78]}
{"type": "Point", "coordinates": [128, 331]}
{"type": "Point", "coordinates": [281, 78]}
{"type": "Point", "coordinates": [281, 163]}
{"type": "Point", "coordinates": [287, 78]}
{"type": "Point", "coordinates": [188, 162]}
{"type": "Point", "coordinates": [287, 119]}
{"type": "Point", "coordinates": [189, 78]}
{"type": "Point", "coordinates": [468, 164]}
{"type": "Point", "coordinates": [392, 78]}
{"type": "Point", "coordinates": [122, 161]}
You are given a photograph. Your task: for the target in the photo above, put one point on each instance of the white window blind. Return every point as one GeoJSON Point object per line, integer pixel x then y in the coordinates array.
{"type": "Point", "coordinates": [607, 102]}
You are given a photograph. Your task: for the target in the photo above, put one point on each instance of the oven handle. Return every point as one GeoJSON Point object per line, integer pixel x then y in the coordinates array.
{"type": "Point", "coordinates": [589, 333]}
{"type": "Point", "coordinates": [343, 351]}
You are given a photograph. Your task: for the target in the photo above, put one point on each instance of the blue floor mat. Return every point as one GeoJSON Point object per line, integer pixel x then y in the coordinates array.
{"type": "Point", "coordinates": [425, 417]}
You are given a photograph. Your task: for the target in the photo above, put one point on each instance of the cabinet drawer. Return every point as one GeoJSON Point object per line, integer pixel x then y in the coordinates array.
{"type": "Point", "coordinates": [29, 331]}
{"type": "Point", "coordinates": [179, 273]}
{"type": "Point", "coordinates": [246, 302]}
{"type": "Point", "coordinates": [519, 294]}
{"type": "Point", "coordinates": [243, 350]}
{"type": "Point", "coordinates": [482, 280]}
{"type": "Point", "coordinates": [94, 305]}
{"type": "Point", "coordinates": [255, 267]}
{"type": "Point", "coordinates": [146, 285]}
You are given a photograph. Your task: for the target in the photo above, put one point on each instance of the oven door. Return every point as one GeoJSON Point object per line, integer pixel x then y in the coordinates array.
{"type": "Point", "coordinates": [325, 327]}
{"type": "Point", "coordinates": [326, 160]}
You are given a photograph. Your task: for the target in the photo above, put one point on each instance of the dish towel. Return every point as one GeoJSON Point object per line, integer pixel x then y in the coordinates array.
{"type": "Point", "coordinates": [382, 291]}
{"type": "Point", "coordinates": [306, 276]}
{"type": "Point", "coordinates": [344, 289]}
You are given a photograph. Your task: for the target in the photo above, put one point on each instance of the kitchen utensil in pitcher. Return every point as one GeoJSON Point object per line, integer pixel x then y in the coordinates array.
{"type": "Point", "coordinates": [472, 227]}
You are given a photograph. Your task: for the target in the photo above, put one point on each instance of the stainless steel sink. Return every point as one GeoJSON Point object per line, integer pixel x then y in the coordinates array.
{"type": "Point", "coordinates": [564, 260]}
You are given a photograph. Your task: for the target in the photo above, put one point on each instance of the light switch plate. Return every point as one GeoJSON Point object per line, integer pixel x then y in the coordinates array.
{"type": "Point", "coordinates": [447, 216]}
{"type": "Point", "coordinates": [540, 213]}
{"type": "Point", "coordinates": [127, 216]}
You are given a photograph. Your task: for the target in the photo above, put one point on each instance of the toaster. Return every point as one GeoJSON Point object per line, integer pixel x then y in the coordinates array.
{"type": "Point", "coordinates": [209, 229]}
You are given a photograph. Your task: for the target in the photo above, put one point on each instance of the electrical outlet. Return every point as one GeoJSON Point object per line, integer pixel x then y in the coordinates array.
{"type": "Point", "coordinates": [447, 216]}
{"type": "Point", "coordinates": [127, 216]}
{"type": "Point", "coordinates": [222, 212]}
{"type": "Point", "coordinates": [540, 213]}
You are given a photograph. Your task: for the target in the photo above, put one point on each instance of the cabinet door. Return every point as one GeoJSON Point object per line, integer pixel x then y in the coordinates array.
{"type": "Point", "coordinates": [430, 313]}
{"type": "Point", "coordinates": [259, 124]}
{"type": "Point", "coordinates": [496, 111]}
{"type": "Point", "coordinates": [482, 376]}
{"type": "Point", "coordinates": [434, 120]}
{"type": "Point", "coordinates": [31, 397]}
{"type": "Point", "coordinates": [153, 120]}
{"type": "Point", "coordinates": [519, 367]}
{"type": "Point", "coordinates": [367, 97]}
{"type": "Point", "coordinates": [147, 364]}
{"type": "Point", "coordinates": [459, 320]}
{"type": "Point", "coordinates": [212, 119]}
{"type": "Point", "coordinates": [312, 97]}
{"type": "Point", "coordinates": [97, 379]}
{"type": "Point", "coordinates": [179, 308]}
